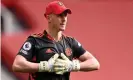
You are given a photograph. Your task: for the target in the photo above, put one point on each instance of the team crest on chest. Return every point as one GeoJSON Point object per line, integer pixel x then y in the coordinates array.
{"type": "Point", "coordinates": [68, 51]}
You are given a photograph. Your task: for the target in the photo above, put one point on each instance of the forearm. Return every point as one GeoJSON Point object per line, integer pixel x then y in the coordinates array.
{"type": "Point", "coordinates": [25, 66]}
{"type": "Point", "coordinates": [89, 65]}
{"type": "Point", "coordinates": [22, 65]}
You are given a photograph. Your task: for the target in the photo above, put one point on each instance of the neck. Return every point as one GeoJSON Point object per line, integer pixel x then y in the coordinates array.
{"type": "Point", "coordinates": [56, 35]}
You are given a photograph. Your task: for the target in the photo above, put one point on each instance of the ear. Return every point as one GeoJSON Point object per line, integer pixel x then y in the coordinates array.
{"type": "Point", "coordinates": [48, 17]}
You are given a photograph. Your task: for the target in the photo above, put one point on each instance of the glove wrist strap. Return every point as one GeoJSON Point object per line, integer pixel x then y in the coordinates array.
{"type": "Point", "coordinates": [76, 65]}
{"type": "Point", "coordinates": [43, 66]}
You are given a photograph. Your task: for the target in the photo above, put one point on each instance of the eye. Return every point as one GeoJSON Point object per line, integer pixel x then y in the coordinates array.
{"type": "Point", "coordinates": [62, 15]}
{"type": "Point", "coordinates": [65, 14]}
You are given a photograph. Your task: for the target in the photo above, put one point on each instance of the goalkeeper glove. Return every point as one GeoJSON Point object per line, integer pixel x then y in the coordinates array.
{"type": "Point", "coordinates": [47, 66]}
{"type": "Point", "coordinates": [65, 65]}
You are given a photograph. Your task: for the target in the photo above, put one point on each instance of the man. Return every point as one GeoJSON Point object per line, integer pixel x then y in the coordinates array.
{"type": "Point", "coordinates": [54, 54]}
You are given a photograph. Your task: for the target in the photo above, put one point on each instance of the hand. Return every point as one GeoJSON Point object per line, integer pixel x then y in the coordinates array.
{"type": "Point", "coordinates": [47, 66]}
{"type": "Point", "coordinates": [65, 65]}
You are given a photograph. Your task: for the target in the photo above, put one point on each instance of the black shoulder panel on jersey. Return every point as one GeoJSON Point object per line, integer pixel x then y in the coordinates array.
{"type": "Point", "coordinates": [27, 50]}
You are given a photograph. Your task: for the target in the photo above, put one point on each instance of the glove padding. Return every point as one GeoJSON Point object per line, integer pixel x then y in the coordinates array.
{"type": "Point", "coordinates": [47, 66]}
{"type": "Point", "coordinates": [65, 65]}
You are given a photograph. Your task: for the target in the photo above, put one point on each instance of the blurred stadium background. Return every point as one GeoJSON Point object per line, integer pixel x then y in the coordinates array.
{"type": "Point", "coordinates": [104, 27]}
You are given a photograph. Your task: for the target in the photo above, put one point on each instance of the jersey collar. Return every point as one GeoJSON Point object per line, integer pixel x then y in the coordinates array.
{"type": "Point", "coordinates": [50, 37]}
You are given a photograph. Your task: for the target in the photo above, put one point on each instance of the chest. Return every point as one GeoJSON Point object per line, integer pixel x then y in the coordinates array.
{"type": "Point", "coordinates": [45, 50]}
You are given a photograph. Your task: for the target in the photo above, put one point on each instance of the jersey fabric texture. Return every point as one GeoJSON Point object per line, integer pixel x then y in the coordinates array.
{"type": "Point", "coordinates": [41, 47]}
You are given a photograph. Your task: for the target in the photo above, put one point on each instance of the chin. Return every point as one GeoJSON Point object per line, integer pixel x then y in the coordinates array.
{"type": "Point", "coordinates": [61, 29]}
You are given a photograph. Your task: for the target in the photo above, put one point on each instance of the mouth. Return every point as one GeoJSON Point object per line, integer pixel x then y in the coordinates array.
{"type": "Point", "coordinates": [62, 24]}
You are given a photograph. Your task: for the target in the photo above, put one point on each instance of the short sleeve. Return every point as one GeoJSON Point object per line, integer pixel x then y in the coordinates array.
{"type": "Point", "coordinates": [28, 49]}
{"type": "Point", "coordinates": [78, 50]}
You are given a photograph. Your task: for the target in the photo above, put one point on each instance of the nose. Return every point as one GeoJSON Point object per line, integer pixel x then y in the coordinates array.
{"type": "Point", "coordinates": [63, 18]}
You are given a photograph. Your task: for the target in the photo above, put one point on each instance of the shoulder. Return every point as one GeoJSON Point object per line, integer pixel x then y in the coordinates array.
{"type": "Point", "coordinates": [37, 35]}
{"type": "Point", "coordinates": [72, 40]}
{"type": "Point", "coordinates": [68, 37]}
{"type": "Point", "coordinates": [34, 37]}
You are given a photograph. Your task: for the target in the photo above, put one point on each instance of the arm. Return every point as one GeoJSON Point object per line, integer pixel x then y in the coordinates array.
{"type": "Point", "coordinates": [88, 62]}
{"type": "Point", "coordinates": [22, 61]}
{"type": "Point", "coordinates": [22, 65]}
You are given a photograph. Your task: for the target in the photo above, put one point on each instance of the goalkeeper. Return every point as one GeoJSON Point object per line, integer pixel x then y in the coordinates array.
{"type": "Point", "coordinates": [51, 55]}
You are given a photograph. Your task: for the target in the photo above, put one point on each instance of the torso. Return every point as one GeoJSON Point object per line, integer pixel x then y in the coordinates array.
{"type": "Point", "coordinates": [45, 48]}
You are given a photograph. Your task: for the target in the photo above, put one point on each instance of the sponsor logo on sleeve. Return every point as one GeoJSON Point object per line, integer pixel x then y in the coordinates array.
{"type": "Point", "coordinates": [27, 46]}
{"type": "Point", "coordinates": [23, 51]}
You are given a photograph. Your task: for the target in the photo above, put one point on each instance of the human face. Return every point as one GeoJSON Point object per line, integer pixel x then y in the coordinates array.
{"type": "Point", "coordinates": [59, 21]}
